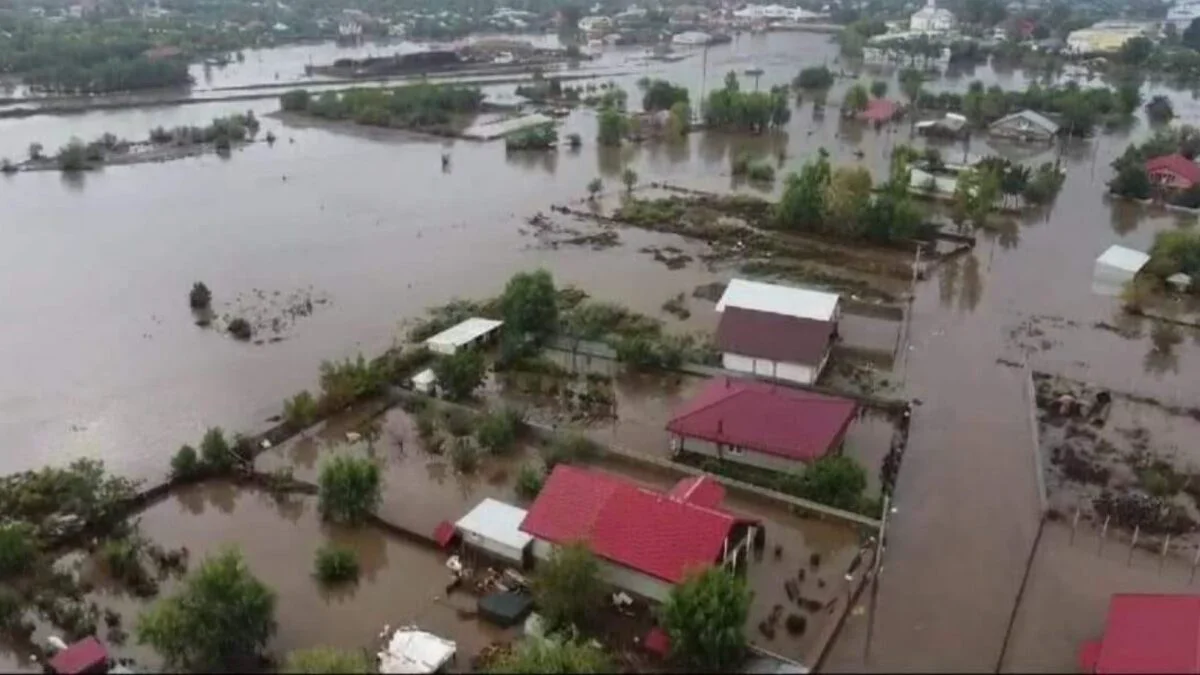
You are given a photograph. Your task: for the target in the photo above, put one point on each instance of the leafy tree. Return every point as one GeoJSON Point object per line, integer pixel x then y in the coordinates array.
{"type": "Point", "coordinates": [846, 195]}
{"type": "Point", "coordinates": [681, 119]}
{"type": "Point", "coordinates": [186, 463]}
{"type": "Point", "coordinates": [630, 178]}
{"type": "Point", "coordinates": [662, 95]}
{"type": "Point", "coordinates": [705, 617]}
{"type": "Point", "coordinates": [856, 99]}
{"type": "Point", "coordinates": [464, 457]}
{"type": "Point", "coordinates": [819, 77]}
{"type": "Point", "coordinates": [73, 156]}
{"type": "Point", "coordinates": [594, 187]}
{"type": "Point", "coordinates": [345, 382]}
{"type": "Point", "coordinates": [461, 373]}
{"type": "Point", "coordinates": [328, 660]}
{"type": "Point", "coordinates": [17, 549]}
{"type": "Point", "coordinates": [216, 452]}
{"type": "Point", "coordinates": [802, 206]}
{"type": "Point", "coordinates": [35, 151]}
{"type": "Point", "coordinates": [567, 587]}
{"type": "Point", "coordinates": [241, 329]}
{"type": "Point", "coordinates": [1159, 110]}
{"type": "Point", "coordinates": [611, 127]}
{"type": "Point", "coordinates": [574, 141]}
{"type": "Point", "coordinates": [295, 101]}
{"type": "Point", "coordinates": [1136, 51]}
{"type": "Point", "coordinates": [879, 88]}
{"type": "Point", "coordinates": [554, 655]}
{"type": "Point", "coordinates": [911, 83]}
{"type": "Point", "coordinates": [300, 410]}
{"type": "Point", "coordinates": [1131, 181]}
{"type": "Point", "coordinates": [497, 430]}
{"type": "Point", "coordinates": [530, 305]}
{"type": "Point", "coordinates": [1129, 97]}
{"type": "Point", "coordinates": [350, 489]}
{"type": "Point", "coordinates": [335, 564]}
{"type": "Point", "coordinates": [200, 297]}
{"type": "Point", "coordinates": [837, 481]}
{"type": "Point", "coordinates": [221, 620]}
{"type": "Point", "coordinates": [530, 480]}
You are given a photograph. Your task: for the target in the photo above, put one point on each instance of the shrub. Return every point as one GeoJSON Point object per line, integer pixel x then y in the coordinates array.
{"type": "Point", "coordinates": [342, 383]}
{"type": "Point", "coordinates": [497, 430]}
{"type": "Point", "coordinates": [569, 449]}
{"type": "Point", "coordinates": [185, 463]}
{"type": "Point", "coordinates": [574, 141]}
{"type": "Point", "coordinates": [200, 297]}
{"type": "Point", "coordinates": [761, 171]}
{"type": "Point", "coordinates": [461, 373]}
{"type": "Point", "coordinates": [336, 564]}
{"type": "Point", "coordinates": [567, 587]}
{"type": "Point", "coordinates": [123, 557]}
{"type": "Point", "coordinates": [350, 489]}
{"type": "Point", "coordinates": [300, 410]}
{"type": "Point", "coordinates": [17, 549]}
{"type": "Point", "coordinates": [426, 422]}
{"type": "Point", "coordinates": [215, 451]}
{"type": "Point", "coordinates": [459, 422]}
{"type": "Point", "coordinates": [73, 156]}
{"type": "Point", "coordinates": [241, 329]}
{"type": "Point", "coordinates": [705, 617]}
{"type": "Point", "coordinates": [530, 480]}
{"type": "Point", "coordinates": [325, 660]}
{"type": "Point", "coordinates": [464, 456]}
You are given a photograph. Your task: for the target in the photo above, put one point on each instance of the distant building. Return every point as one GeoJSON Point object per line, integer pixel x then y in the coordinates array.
{"type": "Point", "coordinates": [880, 111]}
{"type": "Point", "coordinates": [1025, 125]}
{"type": "Point", "coordinates": [762, 425]}
{"type": "Point", "coordinates": [692, 38]}
{"type": "Point", "coordinates": [1183, 13]}
{"type": "Point", "coordinates": [595, 24]}
{"type": "Point", "coordinates": [1115, 268]}
{"type": "Point", "coordinates": [1147, 633]}
{"type": "Point", "coordinates": [1107, 37]}
{"type": "Point", "coordinates": [647, 541]}
{"type": "Point", "coordinates": [349, 28]}
{"type": "Point", "coordinates": [932, 19]}
{"type": "Point", "coordinates": [776, 331]}
{"type": "Point", "coordinates": [1174, 172]}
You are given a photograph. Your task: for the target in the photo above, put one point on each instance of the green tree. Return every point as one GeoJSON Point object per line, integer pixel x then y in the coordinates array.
{"type": "Point", "coordinates": [856, 99]}
{"type": "Point", "coordinates": [215, 451]}
{"type": "Point", "coordinates": [879, 88]}
{"type": "Point", "coordinates": [35, 151]}
{"type": "Point", "coordinates": [200, 297]}
{"type": "Point", "coordinates": [220, 621]}
{"type": "Point", "coordinates": [461, 373]}
{"type": "Point", "coordinates": [497, 430]}
{"type": "Point", "coordinates": [350, 489]}
{"type": "Point", "coordinates": [705, 617]}
{"type": "Point", "coordinates": [594, 187]}
{"type": "Point", "coordinates": [567, 587]}
{"type": "Point", "coordinates": [846, 196]}
{"type": "Point", "coordinates": [802, 206]}
{"type": "Point", "coordinates": [300, 410]}
{"type": "Point", "coordinates": [328, 660]}
{"type": "Point", "coordinates": [630, 178]}
{"type": "Point", "coordinates": [530, 480]}
{"type": "Point", "coordinates": [335, 564]}
{"type": "Point", "coordinates": [530, 306]}
{"type": "Point", "coordinates": [295, 101]}
{"type": "Point", "coordinates": [1159, 110]}
{"type": "Point", "coordinates": [818, 77]}
{"type": "Point", "coordinates": [17, 549]}
{"type": "Point", "coordinates": [611, 127]}
{"type": "Point", "coordinates": [186, 463]}
{"type": "Point", "coordinates": [555, 655]}
{"type": "Point", "coordinates": [836, 481]}
{"type": "Point", "coordinates": [662, 95]}
{"type": "Point", "coordinates": [681, 119]}
{"type": "Point", "coordinates": [911, 83]}
{"type": "Point", "coordinates": [73, 156]}
{"type": "Point", "coordinates": [1131, 181]}
{"type": "Point", "coordinates": [1191, 35]}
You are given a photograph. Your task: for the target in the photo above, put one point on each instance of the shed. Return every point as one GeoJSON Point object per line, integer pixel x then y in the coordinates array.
{"type": "Point", "coordinates": [1180, 282]}
{"type": "Point", "coordinates": [469, 333]}
{"type": "Point", "coordinates": [1116, 267]}
{"type": "Point", "coordinates": [788, 300]}
{"type": "Point", "coordinates": [424, 381]}
{"type": "Point", "coordinates": [505, 609]}
{"type": "Point", "coordinates": [411, 650]}
{"type": "Point", "coordinates": [86, 656]}
{"type": "Point", "coordinates": [495, 527]}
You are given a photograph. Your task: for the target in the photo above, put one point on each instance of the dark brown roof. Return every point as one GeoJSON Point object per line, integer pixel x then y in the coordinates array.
{"type": "Point", "coordinates": [765, 335]}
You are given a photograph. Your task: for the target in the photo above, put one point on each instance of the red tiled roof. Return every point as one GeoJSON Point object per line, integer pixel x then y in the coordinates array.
{"type": "Point", "coordinates": [778, 337]}
{"type": "Point", "coordinates": [699, 490]}
{"type": "Point", "coordinates": [1148, 634]}
{"type": "Point", "coordinates": [87, 655]}
{"type": "Point", "coordinates": [629, 525]}
{"type": "Point", "coordinates": [766, 418]}
{"type": "Point", "coordinates": [879, 110]}
{"type": "Point", "coordinates": [1176, 164]}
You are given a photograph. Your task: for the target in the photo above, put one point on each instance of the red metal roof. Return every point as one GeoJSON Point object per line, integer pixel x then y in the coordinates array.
{"type": "Point", "coordinates": [699, 490]}
{"type": "Point", "coordinates": [1148, 634]}
{"type": "Point", "coordinates": [444, 533]}
{"type": "Point", "coordinates": [766, 418]}
{"type": "Point", "coordinates": [1176, 164]}
{"type": "Point", "coordinates": [87, 655]}
{"type": "Point", "coordinates": [627, 524]}
{"type": "Point", "coordinates": [879, 110]}
{"type": "Point", "coordinates": [778, 337]}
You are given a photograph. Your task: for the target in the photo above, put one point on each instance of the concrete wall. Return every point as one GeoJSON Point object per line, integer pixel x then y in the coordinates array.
{"type": "Point", "coordinates": [617, 576]}
{"type": "Point", "coordinates": [759, 459]}
{"type": "Point", "coordinates": [792, 372]}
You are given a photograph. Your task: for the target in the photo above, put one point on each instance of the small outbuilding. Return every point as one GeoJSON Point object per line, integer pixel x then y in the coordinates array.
{"type": "Point", "coordinates": [411, 650]}
{"type": "Point", "coordinates": [1116, 267]}
{"type": "Point", "coordinates": [1025, 125]}
{"type": "Point", "coordinates": [424, 381]}
{"type": "Point", "coordinates": [495, 528]}
{"type": "Point", "coordinates": [470, 333]}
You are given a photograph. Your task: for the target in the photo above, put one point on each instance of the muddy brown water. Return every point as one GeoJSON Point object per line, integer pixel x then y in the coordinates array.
{"type": "Point", "coordinates": [101, 357]}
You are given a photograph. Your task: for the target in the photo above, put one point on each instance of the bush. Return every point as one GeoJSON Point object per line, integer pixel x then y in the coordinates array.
{"type": "Point", "coordinates": [496, 431]}
{"type": "Point", "coordinates": [567, 587]}
{"type": "Point", "coordinates": [215, 451]}
{"type": "Point", "coordinates": [461, 373]}
{"type": "Point", "coordinates": [458, 422]}
{"type": "Point", "coordinates": [463, 456]}
{"type": "Point", "coordinates": [73, 156]}
{"type": "Point", "coordinates": [426, 421]}
{"type": "Point", "coordinates": [123, 557]}
{"type": "Point", "coordinates": [335, 564]}
{"type": "Point", "coordinates": [200, 297]}
{"type": "Point", "coordinates": [739, 164]}
{"type": "Point", "coordinates": [325, 660]}
{"type": "Point", "coordinates": [819, 77]}
{"type": "Point", "coordinates": [300, 410]}
{"type": "Point", "coordinates": [761, 171]}
{"type": "Point", "coordinates": [574, 141]}
{"type": "Point", "coordinates": [836, 481]}
{"type": "Point", "coordinates": [530, 480]}
{"type": "Point", "coordinates": [345, 382]}
{"type": "Point", "coordinates": [241, 329]}
{"type": "Point", "coordinates": [186, 463]}
{"type": "Point", "coordinates": [569, 449]}
{"type": "Point", "coordinates": [350, 489]}
{"type": "Point", "coordinates": [17, 549]}
{"type": "Point", "coordinates": [705, 617]}
{"type": "Point", "coordinates": [556, 655]}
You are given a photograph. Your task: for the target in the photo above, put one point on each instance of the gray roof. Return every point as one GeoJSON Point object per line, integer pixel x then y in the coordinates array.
{"type": "Point", "coordinates": [1032, 117]}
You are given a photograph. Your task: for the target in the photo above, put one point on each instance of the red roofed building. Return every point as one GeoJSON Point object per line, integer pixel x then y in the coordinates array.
{"type": "Point", "coordinates": [647, 541]}
{"type": "Point", "coordinates": [1147, 634]}
{"type": "Point", "coordinates": [880, 110]}
{"type": "Point", "coordinates": [1173, 171]}
{"type": "Point", "coordinates": [86, 656]}
{"type": "Point", "coordinates": [761, 424]}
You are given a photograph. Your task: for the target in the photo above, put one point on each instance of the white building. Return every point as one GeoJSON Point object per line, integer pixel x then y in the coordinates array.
{"type": "Point", "coordinates": [931, 19]}
{"type": "Point", "coordinates": [595, 24]}
{"type": "Point", "coordinates": [1115, 268]}
{"type": "Point", "coordinates": [774, 13]}
{"type": "Point", "coordinates": [469, 333]}
{"type": "Point", "coordinates": [1183, 13]}
{"type": "Point", "coordinates": [349, 28]}
{"type": "Point", "coordinates": [495, 528]}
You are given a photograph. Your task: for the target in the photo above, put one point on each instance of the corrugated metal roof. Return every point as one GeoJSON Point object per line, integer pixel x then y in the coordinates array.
{"type": "Point", "coordinates": [495, 520]}
{"type": "Point", "coordinates": [788, 300]}
{"type": "Point", "coordinates": [449, 340]}
{"type": "Point", "coordinates": [1122, 258]}
{"type": "Point", "coordinates": [1032, 117]}
{"type": "Point", "coordinates": [1149, 634]}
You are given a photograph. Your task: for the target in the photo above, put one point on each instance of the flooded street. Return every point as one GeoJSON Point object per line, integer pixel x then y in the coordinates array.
{"type": "Point", "coordinates": [102, 359]}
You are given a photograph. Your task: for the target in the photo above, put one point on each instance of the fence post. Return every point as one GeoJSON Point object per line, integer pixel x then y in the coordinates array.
{"type": "Point", "coordinates": [1103, 534]}
{"type": "Point", "coordinates": [1195, 561]}
{"type": "Point", "coordinates": [1133, 544]}
{"type": "Point", "coordinates": [1163, 556]}
{"type": "Point", "coordinates": [1074, 526]}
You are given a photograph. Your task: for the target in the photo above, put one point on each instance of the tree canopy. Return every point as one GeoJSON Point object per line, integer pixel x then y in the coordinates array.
{"type": "Point", "coordinates": [328, 660]}
{"type": "Point", "coordinates": [530, 305]}
{"type": "Point", "coordinates": [350, 489]}
{"type": "Point", "coordinates": [567, 587]}
{"type": "Point", "coordinates": [460, 374]}
{"type": "Point", "coordinates": [220, 621]}
{"type": "Point", "coordinates": [662, 95]}
{"type": "Point", "coordinates": [731, 109]}
{"type": "Point", "coordinates": [555, 655]}
{"type": "Point", "coordinates": [705, 617]}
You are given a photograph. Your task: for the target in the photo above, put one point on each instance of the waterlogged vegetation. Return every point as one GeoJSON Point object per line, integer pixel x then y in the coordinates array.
{"type": "Point", "coordinates": [731, 109]}
{"type": "Point", "coordinates": [429, 108]}
{"type": "Point", "coordinates": [1131, 178]}
{"type": "Point", "coordinates": [1077, 109]}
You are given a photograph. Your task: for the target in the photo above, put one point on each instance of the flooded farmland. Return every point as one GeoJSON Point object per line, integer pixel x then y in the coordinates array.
{"type": "Point", "coordinates": [102, 358]}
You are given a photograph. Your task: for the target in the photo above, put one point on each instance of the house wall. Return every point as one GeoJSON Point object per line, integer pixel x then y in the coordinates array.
{"type": "Point", "coordinates": [617, 576]}
{"type": "Point", "coordinates": [792, 372]}
{"type": "Point", "coordinates": [1014, 129]}
{"type": "Point", "coordinates": [492, 546]}
{"type": "Point", "coordinates": [761, 460]}
{"type": "Point", "coordinates": [1170, 179]}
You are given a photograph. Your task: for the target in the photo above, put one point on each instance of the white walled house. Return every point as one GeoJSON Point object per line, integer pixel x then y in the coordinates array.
{"type": "Point", "coordinates": [646, 541]}
{"type": "Point", "coordinates": [932, 19]}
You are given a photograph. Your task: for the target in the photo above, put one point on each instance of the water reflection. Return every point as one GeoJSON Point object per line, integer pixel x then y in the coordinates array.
{"type": "Point", "coordinates": [534, 159]}
{"type": "Point", "coordinates": [1162, 357]}
{"type": "Point", "coordinates": [972, 284]}
{"type": "Point", "coordinates": [73, 180]}
{"type": "Point", "coordinates": [1124, 216]}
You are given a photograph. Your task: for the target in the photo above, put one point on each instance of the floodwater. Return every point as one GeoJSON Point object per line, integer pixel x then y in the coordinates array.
{"type": "Point", "coordinates": [101, 357]}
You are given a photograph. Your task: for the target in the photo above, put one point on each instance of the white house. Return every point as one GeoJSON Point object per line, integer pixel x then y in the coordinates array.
{"type": "Point", "coordinates": [931, 19]}
{"type": "Point", "coordinates": [646, 541]}
{"type": "Point", "coordinates": [1116, 267]}
{"type": "Point", "coordinates": [776, 331]}
{"type": "Point", "coordinates": [495, 528]}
